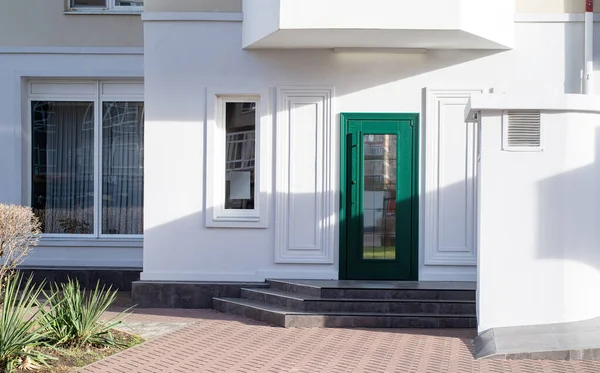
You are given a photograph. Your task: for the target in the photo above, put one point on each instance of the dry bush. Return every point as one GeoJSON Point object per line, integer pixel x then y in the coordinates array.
{"type": "Point", "coordinates": [19, 232]}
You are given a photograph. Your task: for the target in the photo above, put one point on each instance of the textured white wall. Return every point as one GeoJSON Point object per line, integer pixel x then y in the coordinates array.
{"type": "Point", "coordinates": [178, 68]}
{"type": "Point", "coordinates": [539, 217]}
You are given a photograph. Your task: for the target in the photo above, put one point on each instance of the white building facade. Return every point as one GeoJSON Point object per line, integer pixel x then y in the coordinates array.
{"type": "Point", "coordinates": [245, 140]}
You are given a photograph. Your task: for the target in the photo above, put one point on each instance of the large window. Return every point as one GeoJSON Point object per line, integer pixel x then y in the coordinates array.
{"type": "Point", "coordinates": [106, 4]}
{"type": "Point", "coordinates": [238, 157]}
{"type": "Point", "coordinates": [87, 160]}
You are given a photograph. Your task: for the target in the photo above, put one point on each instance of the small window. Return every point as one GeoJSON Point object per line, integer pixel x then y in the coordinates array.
{"type": "Point", "coordinates": [106, 4]}
{"type": "Point", "coordinates": [240, 166]}
{"type": "Point", "coordinates": [522, 130]}
{"type": "Point", "coordinates": [238, 158]}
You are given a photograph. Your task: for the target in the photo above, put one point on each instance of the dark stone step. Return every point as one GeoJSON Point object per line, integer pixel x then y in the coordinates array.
{"type": "Point", "coordinates": [299, 302]}
{"type": "Point", "coordinates": [183, 294]}
{"type": "Point", "coordinates": [288, 318]}
{"type": "Point", "coordinates": [451, 295]}
{"type": "Point", "coordinates": [291, 287]}
{"type": "Point", "coordinates": [452, 291]}
{"type": "Point", "coordinates": [382, 285]}
{"type": "Point", "coordinates": [280, 298]}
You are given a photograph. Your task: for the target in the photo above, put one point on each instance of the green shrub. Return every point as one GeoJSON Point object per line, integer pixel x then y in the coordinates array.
{"type": "Point", "coordinates": [73, 319]}
{"type": "Point", "coordinates": [19, 332]}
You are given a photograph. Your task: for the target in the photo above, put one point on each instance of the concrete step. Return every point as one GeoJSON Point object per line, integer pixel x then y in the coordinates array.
{"type": "Point", "coordinates": [309, 303]}
{"type": "Point", "coordinates": [281, 316]}
{"type": "Point", "coordinates": [418, 290]}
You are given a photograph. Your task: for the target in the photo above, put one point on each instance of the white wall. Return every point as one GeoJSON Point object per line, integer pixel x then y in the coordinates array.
{"type": "Point", "coordinates": [15, 69]}
{"type": "Point", "coordinates": [523, 6]}
{"type": "Point", "coordinates": [35, 23]}
{"type": "Point", "coordinates": [179, 66]}
{"type": "Point", "coordinates": [539, 261]}
{"type": "Point", "coordinates": [553, 6]}
{"type": "Point", "coordinates": [454, 24]}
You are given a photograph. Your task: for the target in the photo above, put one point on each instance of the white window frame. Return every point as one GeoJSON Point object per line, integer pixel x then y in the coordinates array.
{"type": "Point", "coordinates": [110, 7]}
{"type": "Point", "coordinates": [216, 214]}
{"type": "Point", "coordinates": [521, 149]}
{"type": "Point", "coordinates": [98, 97]}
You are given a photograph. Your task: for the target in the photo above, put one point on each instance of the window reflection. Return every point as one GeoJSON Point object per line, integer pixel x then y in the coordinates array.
{"type": "Point", "coordinates": [63, 166]}
{"type": "Point", "coordinates": [240, 125]}
{"type": "Point", "coordinates": [122, 167]}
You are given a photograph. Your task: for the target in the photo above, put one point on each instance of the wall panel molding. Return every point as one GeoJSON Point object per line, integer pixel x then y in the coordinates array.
{"type": "Point", "coordinates": [304, 198]}
{"type": "Point", "coordinates": [450, 180]}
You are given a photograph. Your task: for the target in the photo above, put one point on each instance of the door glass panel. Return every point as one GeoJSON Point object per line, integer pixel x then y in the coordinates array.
{"type": "Point", "coordinates": [379, 197]}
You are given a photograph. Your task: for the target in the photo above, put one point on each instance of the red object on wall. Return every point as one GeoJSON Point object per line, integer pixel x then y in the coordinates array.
{"type": "Point", "coordinates": [589, 5]}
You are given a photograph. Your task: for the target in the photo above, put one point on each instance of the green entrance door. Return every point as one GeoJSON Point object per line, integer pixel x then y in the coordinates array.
{"type": "Point", "coordinates": [379, 201]}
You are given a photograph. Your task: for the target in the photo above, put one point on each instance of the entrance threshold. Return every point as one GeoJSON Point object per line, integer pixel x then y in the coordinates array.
{"type": "Point", "coordinates": [383, 285]}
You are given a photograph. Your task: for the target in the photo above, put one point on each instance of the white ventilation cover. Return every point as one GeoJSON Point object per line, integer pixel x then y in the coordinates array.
{"type": "Point", "coordinates": [523, 130]}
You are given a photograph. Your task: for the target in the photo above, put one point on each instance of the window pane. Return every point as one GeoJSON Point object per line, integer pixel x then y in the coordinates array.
{"type": "Point", "coordinates": [129, 2]}
{"type": "Point", "coordinates": [63, 166]}
{"type": "Point", "coordinates": [88, 3]}
{"type": "Point", "coordinates": [240, 124]}
{"type": "Point", "coordinates": [122, 167]}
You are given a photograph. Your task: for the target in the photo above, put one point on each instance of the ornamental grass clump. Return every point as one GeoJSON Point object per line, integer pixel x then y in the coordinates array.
{"type": "Point", "coordinates": [20, 334]}
{"type": "Point", "coordinates": [73, 318]}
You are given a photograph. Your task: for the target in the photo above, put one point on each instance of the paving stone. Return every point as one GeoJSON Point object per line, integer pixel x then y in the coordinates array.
{"type": "Point", "coordinates": [216, 342]}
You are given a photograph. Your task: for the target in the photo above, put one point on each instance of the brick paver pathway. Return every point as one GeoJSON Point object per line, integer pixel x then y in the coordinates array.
{"type": "Point", "coordinates": [212, 342]}
{"type": "Point", "coordinates": [153, 323]}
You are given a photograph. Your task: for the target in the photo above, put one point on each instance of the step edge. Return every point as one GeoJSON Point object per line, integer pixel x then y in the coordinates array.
{"type": "Point", "coordinates": [282, 293]}
{"type": "Point", "coordinates": [284, 311]}
{"type": "Point", "coordinates": [302, 297]}
{"type": "Point", "coordinates": [350, 287]}
{"type": "Point", "coordinates": [293, 283]}
{"type": "Point", "coordinates": [253, 304]}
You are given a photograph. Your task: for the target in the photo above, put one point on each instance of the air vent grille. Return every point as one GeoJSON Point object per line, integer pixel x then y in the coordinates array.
{"type": "Point", "coordinates": [524, 130]}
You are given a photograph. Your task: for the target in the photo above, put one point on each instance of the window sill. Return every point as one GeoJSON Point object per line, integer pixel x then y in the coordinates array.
{"type": "Point", "coordinates": [103, 11]}
{"type": "Point", "coordinates": [137, 241]}
{"type": "Point", "coordinates": [236, 223]}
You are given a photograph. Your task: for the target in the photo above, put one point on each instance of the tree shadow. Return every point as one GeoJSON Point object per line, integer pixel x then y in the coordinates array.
{"type": "Point", "coordinates": [568, 224]}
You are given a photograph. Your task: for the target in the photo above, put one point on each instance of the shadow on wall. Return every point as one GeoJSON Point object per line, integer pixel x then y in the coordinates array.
{"type": "Point", "coordinates": [185, 246]}
{"type": "Point", "coordinates": [363, 70]}
{"type": "Point", "coordinates": [568, 232]}
{"type": "Point", "coordinates": [348, 72]}
{"type": "Point", "coordinates": [569, 213]}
